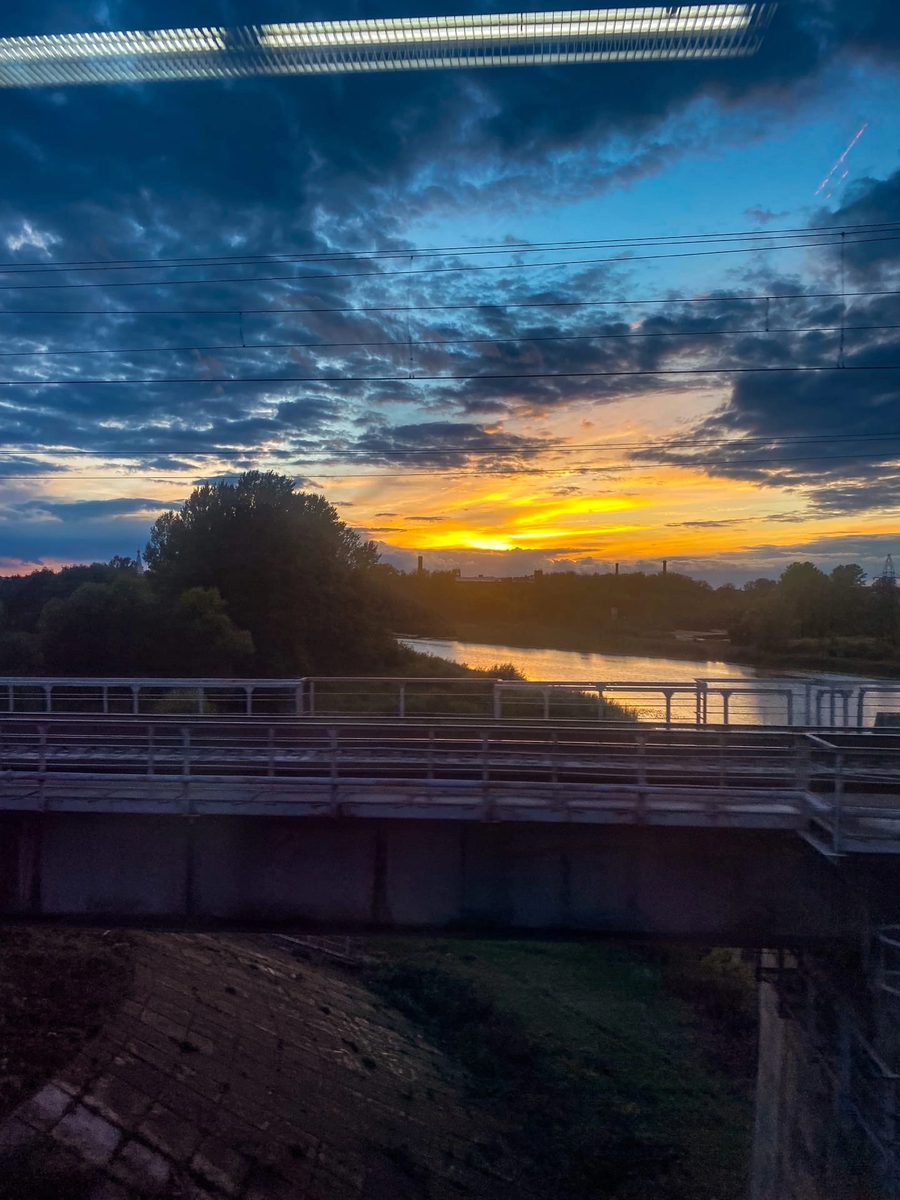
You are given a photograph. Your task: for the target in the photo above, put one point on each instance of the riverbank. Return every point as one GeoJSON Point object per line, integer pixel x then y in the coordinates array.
{"type": "Point", "coordinates": [531, 636]}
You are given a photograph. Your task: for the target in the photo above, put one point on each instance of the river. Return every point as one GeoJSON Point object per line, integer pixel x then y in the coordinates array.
{"type": "Point", "coordinates": [745, 706]}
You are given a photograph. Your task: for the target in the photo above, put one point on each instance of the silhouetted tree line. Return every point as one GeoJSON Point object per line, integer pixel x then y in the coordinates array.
{"type": "Point", "coordinates": [766, 615]}
{"type": "Point", "coordinates": [248, 578]}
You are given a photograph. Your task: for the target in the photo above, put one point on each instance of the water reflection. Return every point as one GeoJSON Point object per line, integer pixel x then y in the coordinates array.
{"type": "Point", "coordinates": [802, 697]}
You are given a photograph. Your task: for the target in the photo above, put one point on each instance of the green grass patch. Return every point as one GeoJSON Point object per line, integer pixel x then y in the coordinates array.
{"type": "Point", "coordinates": [604, 1073]}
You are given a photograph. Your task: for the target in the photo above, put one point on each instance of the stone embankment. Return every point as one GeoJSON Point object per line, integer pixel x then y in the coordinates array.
{"type": "Point", "coordinates": [235, 1070]}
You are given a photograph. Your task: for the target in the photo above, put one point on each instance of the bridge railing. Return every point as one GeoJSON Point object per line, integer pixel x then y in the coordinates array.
{"type": "Point", "coordinates": [853, 790]}
{"type": "Point", "coordinates": [802, 703]}
{"type": "Point", "coordinates": [843, 789]}
{"type": "Point", "coordinates": [621, 756]}
{"type": "Point", "coordinates": [622, 753]}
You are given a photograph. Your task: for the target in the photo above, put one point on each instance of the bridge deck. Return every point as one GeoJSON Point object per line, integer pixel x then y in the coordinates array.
{"type": "Point", "coordinates": [844, 791]}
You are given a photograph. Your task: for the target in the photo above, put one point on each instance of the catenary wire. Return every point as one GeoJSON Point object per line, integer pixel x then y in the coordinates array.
{"type": "Point", "coordinates": [571, 469]}
{"type": "Point", "coordinates": [386, 276]}
{"type": "Point", "coordinates": [523, 247]}
{"type": "Point", "coordinates": [520, 451]}
{"type": "Point", "coordinates": [475, 341]}
{"type": "Point", "coordinates": [499, 305]}
{"type": "Point", "coordinates": [272, 379]}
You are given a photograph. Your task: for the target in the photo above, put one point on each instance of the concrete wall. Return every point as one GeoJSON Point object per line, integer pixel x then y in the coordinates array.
{"type": "Point", "coordinates": [806, 1145]}
{"type": "Point", "coordinates": [725, 886]}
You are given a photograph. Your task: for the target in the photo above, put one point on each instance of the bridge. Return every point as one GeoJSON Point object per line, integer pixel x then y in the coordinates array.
{"type": "Point", "coordinates": [264, 803]}
{"type": "Point", "coordinates": [524, 823]}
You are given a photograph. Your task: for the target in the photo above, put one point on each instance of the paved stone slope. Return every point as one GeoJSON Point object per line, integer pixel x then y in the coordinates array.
{"type": "Point", "coordinates": [236, 1071]}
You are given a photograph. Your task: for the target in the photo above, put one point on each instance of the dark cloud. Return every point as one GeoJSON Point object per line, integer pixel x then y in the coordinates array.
{"type": "Point", "coordinates": [711, 524]}
{"type": "Point", "coordinates": [765, 215]}
{"type": "Point", "coordinates": [831, 433]}
{"type": "Point", "coordinates": [444, 443]}
{"type": "Point", "coordinates": [89, 510]}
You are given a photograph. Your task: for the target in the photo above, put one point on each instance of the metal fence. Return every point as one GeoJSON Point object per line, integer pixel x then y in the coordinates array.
{"type": "Point", "coordinates": [813, 703]}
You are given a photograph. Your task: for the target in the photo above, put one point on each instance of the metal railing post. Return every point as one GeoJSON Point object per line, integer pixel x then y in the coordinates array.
{"type": "Point", "coordinates": [498, 702]}
{"type": "Point", "coordinates": [271, 761]}
{"type": "Point", "coordinates": [151, 748]}
{"type": "Point", "coordinates": [546, 694]}
{"type": "Point", "coordinates": [642, 759]}
{"type": "Point", "coordinates": [105, 693]}
{"type": "Point", "coordinates": [804, 763]}
{"type": "Point", "coordinates": [789, 696]}
{"type": "Point", "coordinates": [838, 808]}
{"type": "Point", "coordinates": [485, 758]}
{"type": "Point", "coordinates": [401, 701]}
{"type": "Point", "coordinates": [248, 701]}
{"type": "Point", "coordinates": [185, 765]}
{"type": "Point", "coordinates": [860, 707]}
{"type": "Point", "coordinates": [668, 696]}
{"type": "Point", "coordinates": [42, 749]}
{"type": "Point", "coordinates": [333, 769]}
{"type": "Point", "coordinates": [726, 698]}
{"type": "Point", "coordinates": [48, 698]}
{"type": "Point", "coordinates": [298, 699]}
{"type": "Point", "coordinates": [200, 701]}
{"type": "Point", "coordinates": [312, 697]}
{"type": "Point", "coordinates": [135, 699]}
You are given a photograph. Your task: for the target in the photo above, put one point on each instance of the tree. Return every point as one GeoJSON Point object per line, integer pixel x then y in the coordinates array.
{"type": "Point", "coordinates": [804, 590]}
{"type": "Point", "coordinates": [290, 572]}
{"type": "Point", "coordinates": [101, 629]}
{"type": "Point", "coordinates": [848, 599]}
{"type": "Point", "coordinates": [201, 638]}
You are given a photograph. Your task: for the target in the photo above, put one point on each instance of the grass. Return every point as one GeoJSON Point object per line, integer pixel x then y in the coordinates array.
{"type": "Point", "coordinates": [606, 1074]}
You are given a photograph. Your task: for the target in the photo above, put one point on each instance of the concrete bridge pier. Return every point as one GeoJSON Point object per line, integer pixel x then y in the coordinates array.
{"type": "Point", "coordinates": [21, 846]}
{"type": "Point", "coordinates": [827, 1116]}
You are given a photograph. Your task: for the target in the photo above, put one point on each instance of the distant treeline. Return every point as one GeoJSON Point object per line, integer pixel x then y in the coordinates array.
{"type": "Point", "coordinates": [254, 578]}
{"type": "Point", "coordinates": [764, 615]}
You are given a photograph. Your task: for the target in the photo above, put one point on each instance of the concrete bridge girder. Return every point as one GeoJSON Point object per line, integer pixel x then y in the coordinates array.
{"type": "Point", "coordinates": [726, 886]}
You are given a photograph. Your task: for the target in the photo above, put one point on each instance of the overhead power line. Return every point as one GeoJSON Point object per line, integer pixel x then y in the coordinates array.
{"type": "Point", "coordinates": [474, 341]}
{"type": "Point", "coordinates": [549, 448]}
{"type": "Point", "coordinates": [282, 379]}
{"type": "Point", "coordinates": [474, 472]}
{"type": "Point", "coordinates": [497, 306]}
{"type": "Point", "coordinates": [483, 248]}
{"type": "Point", "coordinates": [386, 276]}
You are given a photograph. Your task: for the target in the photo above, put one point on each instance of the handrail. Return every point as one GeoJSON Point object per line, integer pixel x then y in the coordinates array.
{"type": "Point", "coordinates": [811, 703]}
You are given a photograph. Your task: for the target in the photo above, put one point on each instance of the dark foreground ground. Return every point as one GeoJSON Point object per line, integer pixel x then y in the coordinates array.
{"type": "Point", "coordinates": [205, 1067]}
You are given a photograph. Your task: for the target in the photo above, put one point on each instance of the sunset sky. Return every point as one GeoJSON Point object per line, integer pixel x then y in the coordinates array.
{"type": "Point", "coordinates": [549, 302]}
